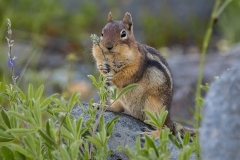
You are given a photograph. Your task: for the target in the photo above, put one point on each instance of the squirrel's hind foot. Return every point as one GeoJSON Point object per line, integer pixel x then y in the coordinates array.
{"type": "Point", "coordinates": [151, 133]}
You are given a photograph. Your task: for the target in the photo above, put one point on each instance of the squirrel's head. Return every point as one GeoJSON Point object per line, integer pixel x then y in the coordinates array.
{"type": "Point", "coordinates": [117, 35]}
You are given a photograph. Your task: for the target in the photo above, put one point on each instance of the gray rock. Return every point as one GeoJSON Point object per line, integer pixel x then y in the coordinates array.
{"type": "Point", "coordinates": [125, 133]}
{"type": "Point", "coordinates": [185, 72]}
{"type": "Point", "coordinates": [220, 131]}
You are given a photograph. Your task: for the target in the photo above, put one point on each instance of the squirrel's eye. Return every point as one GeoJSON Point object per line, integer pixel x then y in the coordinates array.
{"type": "Point", "coordinates": [102, 34]}
{"type": "Point", "coordinates": [123, 34]}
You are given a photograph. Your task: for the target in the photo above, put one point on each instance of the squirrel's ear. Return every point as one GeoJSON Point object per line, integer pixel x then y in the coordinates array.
{"type": "Point", "coordinates": [110, 17]}
{"type": "Point", "coordinates": [127, 19]}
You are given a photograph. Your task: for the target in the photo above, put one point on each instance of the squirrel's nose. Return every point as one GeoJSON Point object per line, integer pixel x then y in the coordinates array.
{"type": "Point", "coordinates": [109, 45]}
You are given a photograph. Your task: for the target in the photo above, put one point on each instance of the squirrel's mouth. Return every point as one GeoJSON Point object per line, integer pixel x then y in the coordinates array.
{"type": "Point", "coordinates": [111, 52]}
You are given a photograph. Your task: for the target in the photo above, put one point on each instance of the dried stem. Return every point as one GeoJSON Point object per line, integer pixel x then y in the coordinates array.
{"type": "Point", "coordinates": [218, 8]}
{"type": "Point", "coordinates": [96, 40]}
{"type": "Point", "coordinates": [11, 58]}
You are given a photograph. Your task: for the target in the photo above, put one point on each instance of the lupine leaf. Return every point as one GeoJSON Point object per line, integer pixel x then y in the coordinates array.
{"type": "Point", "coordinates": [7, 153]}
{"type": "Point", "coordinates": [124, 90]}
{"type": "Point", "coordinates": [5, 118]}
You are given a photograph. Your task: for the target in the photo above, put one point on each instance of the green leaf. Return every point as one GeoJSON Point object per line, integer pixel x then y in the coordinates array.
{"type": "Point", "coordinates": [95, 141]}
{"type": "Point", "coordinates": [79, 126]}
{"type": "Point", "coordinates": [22, 150]}
{"type": "Point", "coordinates": [110, 125]}
{"type": "Point", "coordinates": [222, 7]}
{"type": "Point", "coordinates": [64, 153]}
{"type": "Point", "coordinates": [39, 92]}
{"type": "Point", "coordinates": [20, 130]}
{"type": "Point", "coordinates": [7, 153]}
{"type": "Point", "coordinates": [101, 124]}
{"type": "Point", "coordinates": [150, 143]}
{"type": "Point", "coordinates": [61, 103]}
{"type": "Point", "coordinates": [174, 141]}
{"type": "Point", "coordinates": [124, 90]}
{"type": "Point", "coordinates": [73, 100]}
{"type": "Point", "coordinates": [4, 134]}
{"type": "Point", "coordinates": [74, 150]}
{"type": "Point", "coordinates": [50, 142]}
{"type": "Point", "coordinates": [19, 156]}
{"type": "Point", "coordinates": [93, 79]}
{"type": "Point", "coordinates": [138, 144]}
{"type": "Point", "coordinates": [152, 117]}
{"type": "Point", "coordinates": [200, 101]}
{"type": "Point", "coordinates": [65, 133]}
{"type": "Point", "coordinates": [3, 139]}
{"type": "Point", "coordinates": [21, 94]}
{"type": "Point", "coordinates": [37, 113]}
{"type": "Point", "coordinates": [20, 116]}
{"type": "Point", "coordinates": [30, 91]}
{"type": "Point", "coordinates": [49, 129]}
{"type": "Point", "coordinates": [45, 103]}
{"type": "Point", "coordinates": [69, 123]}
{"type": "Point", "coordinates": [5, 118]}
{"type": "Point", "coordinates": [186, 138]}
{"type": "Point", "coordinates": [29, 142]}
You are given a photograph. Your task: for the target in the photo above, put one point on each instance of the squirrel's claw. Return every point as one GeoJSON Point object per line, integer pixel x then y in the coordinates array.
{"type": "Point", "coordinates": [104, 67]}
{"type": "Point", "coordinates": [109, 80]}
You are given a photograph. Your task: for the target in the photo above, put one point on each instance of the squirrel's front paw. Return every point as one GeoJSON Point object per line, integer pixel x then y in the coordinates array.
{"type": "Point", "coordinates": [109, 80]}
{"type": "Point", "coordinates": [104, 67]}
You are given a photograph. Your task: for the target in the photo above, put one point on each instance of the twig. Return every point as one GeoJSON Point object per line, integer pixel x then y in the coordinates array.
{"type": "Point", "coordinates": [96, 40]}
{"type": "Point", "coordinates": [59, 128]}
{"type": "Point", "coordinates": [217, 10]}
{"type": "Point", "coordinates": [11, 58]}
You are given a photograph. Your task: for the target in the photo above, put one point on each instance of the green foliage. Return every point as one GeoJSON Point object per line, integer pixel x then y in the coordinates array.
{"type": "Point", "coordinates": [24, 134]}
{"type": "Point", "coordinates": [157, 120]}
{"type": "Point", "coordinates": [229, 24]}
{"type": "Point", "coordinates": [161, 150]}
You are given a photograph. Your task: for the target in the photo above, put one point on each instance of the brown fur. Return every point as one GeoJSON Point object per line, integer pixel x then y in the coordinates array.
{"type": "Point", "coordinates": [132, 62]}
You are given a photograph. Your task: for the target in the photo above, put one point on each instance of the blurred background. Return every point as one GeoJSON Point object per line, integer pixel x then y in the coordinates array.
{"type": "Point", "coordinates": [53, 47]}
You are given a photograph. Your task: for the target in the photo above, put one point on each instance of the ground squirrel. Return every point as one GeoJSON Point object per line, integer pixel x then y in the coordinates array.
{"type": "Point", "coordinates": [131, 62]}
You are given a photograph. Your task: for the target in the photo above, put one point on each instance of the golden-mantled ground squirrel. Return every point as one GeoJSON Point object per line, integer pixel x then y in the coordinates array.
{"type": "Point", "coordinates": [131, 62]}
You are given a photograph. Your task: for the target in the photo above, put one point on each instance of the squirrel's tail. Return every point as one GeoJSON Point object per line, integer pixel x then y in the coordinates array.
{"type": "Point", "coordinates": [178, 128]}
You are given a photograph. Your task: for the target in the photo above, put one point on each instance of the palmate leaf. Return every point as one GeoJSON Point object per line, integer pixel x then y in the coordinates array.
{"type": "Point", "coordinates": [153, 121]}
{"type": "Point", "coordinates": [156, 119]}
